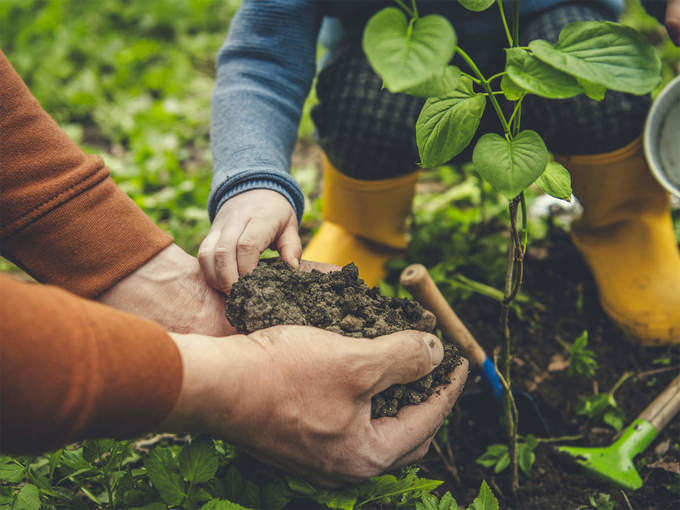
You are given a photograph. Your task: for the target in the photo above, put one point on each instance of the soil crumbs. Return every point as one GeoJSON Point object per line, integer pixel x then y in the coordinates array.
{"type": "Point", "coordinates": [339, 301]}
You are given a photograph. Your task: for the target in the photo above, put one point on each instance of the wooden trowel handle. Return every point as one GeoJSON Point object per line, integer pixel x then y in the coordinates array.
{"type": "Point", "coordinates": [418, 282]}
{"type": "Point", "coordinates": [664, 407]}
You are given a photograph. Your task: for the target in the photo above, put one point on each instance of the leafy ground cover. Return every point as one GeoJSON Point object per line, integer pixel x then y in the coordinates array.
{"type": "Point", "coordinates": [132, 81]}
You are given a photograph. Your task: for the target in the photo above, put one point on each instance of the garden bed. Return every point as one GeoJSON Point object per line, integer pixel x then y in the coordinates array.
{"type": "Point", "coordinates": [560, 303]}
{"type": "Point", "coordinates": [565, 304]}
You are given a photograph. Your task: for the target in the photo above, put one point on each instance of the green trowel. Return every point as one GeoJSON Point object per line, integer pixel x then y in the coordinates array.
{"type": "Point", "coordinates": [615, 463]}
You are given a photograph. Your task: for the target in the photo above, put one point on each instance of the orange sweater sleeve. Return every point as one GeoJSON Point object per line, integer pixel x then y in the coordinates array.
{"type": "Point", "coordinates": [62, 218]}
{"type": "Point", "coordinates": [72, 368]}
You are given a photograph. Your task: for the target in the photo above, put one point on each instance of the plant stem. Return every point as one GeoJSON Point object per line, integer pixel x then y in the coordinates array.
{"type": "Point", "coordinates": [518, 106]}
{"type": "Point", "coordinates": [618, 384]}
{"type": "Point", "coordinates": [499, 112]}
{"type": "Point", "coordinates": [497, 75]}
{"type": "Point", "coordinates": [625, 497]}
{"type": "Point", "coordinates": [516, 23]}
{"type": "Point", "coordinates": [415, 9]}
{"type": "Point", "coordinates": [505, 22]}
{"type": "Point", "coordinates": [447, 464]}
{"type": "Point", "coordinates": [513, 282]}
{"type": "Point", "coordinates": [405, 7]}
{"type": "Point", "coordinates": [525, 220]}
{"type": "Point", "coordinates": [558, 439]}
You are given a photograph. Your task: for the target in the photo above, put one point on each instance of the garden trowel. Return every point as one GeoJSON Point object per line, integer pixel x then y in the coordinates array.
{"type": "Point", "coordinates": [416, 279]}
{"type": "Point", "coordinates": [614, 463]}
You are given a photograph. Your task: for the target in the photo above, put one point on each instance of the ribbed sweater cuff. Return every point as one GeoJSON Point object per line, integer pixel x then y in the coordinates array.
{"type": "Point", "coordinates": [257, 180]}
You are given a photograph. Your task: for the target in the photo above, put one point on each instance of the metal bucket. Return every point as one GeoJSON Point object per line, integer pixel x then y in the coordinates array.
{"type": "Point", "coordinates": [662, 137]}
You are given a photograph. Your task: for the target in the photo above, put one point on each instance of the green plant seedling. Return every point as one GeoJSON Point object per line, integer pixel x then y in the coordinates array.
{"type": "Point", "coordinates": [602, 501]}
{"type": "Point", "coordinates": [485, 500]}
{"type": "Point", "coordinates": [412, 54]}
{"type": "Point", "coordinates": [581, 360]}
{"type": "Point", "coordinates": [498, 457]}
{"type": "Point", "coordinates": [604, 406]}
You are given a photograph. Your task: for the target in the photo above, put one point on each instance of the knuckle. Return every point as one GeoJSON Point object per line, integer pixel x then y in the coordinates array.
{"type": "Point", "coordinates": [222, 252]}
{"type": "Point", "coordinates": [204, 256]}
{"type": "Point", "coordinates": [361, 468]}
{"type": "Point", "coordinates": [365, 375]}
{"type": "Point", "coordinates": [247, 245]}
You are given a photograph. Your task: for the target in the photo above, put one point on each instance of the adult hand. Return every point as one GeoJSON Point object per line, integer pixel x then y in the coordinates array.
{"type": "Point", "coordinates": [244, 227]}
{"type": "Point", "coordinates": [299, 398]}
{"type": "Point", "coordinates": [673, 20]}
{"type": "Point", "coordinates": [170, 289]}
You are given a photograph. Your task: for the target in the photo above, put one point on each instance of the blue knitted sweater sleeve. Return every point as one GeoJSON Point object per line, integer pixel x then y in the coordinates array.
{"type": "Point", "coordinates": [264, 72]}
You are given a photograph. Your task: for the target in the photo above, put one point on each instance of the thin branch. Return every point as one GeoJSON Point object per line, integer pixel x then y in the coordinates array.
{"type": "Point", "coordinates": [497, 75]}
{"type": "Point", "coordinates": [625, 498]}
{"type": "Point", "coordinates": [516, 23]}
{"type": "Point", "coordinates": [450, 467]}
{"type": "Point", "coordinates": [525, 223]}
{"type": "Point", "coordinates": [405, 7]}
{"type": "Point", "coordinates": [505, 385]}
{"type": "Point", "coordinates": [496, 106]}
{"type": "Point", "coordinates": [655, 371]}
{"type": "Point", "coordinates": [559, 439]}
{"type": "Point", "coordinates": [518, 106]}
{"type": "Point", "coordinates": [505, 22]}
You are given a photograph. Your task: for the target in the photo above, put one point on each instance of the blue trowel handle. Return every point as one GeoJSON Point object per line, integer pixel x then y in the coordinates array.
{"type": "Point", "coordinates": [491, 379]}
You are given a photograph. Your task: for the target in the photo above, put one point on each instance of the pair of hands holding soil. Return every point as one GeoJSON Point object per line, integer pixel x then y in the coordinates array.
{"type": "Point", "coordinates": [293, 396]}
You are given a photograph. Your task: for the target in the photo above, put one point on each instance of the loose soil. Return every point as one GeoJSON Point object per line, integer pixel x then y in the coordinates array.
{"type": "Point", "coordinates": [564, 304]}
{"type": "Point", "coordinates": [339, 301]}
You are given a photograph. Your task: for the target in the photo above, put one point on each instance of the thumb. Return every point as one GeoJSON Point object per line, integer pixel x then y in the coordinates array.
{"type": "Point", "coordinates": [406, 356]}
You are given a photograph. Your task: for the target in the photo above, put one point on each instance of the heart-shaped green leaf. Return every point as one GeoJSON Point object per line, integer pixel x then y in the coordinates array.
{"type": "Point", "coordinates": [510, 166]}
{"type": "Point", "coordinates": [555, 181]}
{"type": "Point", "coordinates": [511, 90]}
{"type": "Point", "coordinates": [476, 5]}
{"type": "Point", "coordinates": [438, 85]}
{"type": "Point", "coordinates": [592, 90]}
{"type": "Point", "coordinates": [539, 78]}
{"type": "Point", "coordinates": [605, 53]}
{"type": "Point", "coordinates": [404, 53]}
{"type": "Point", "coordinates": [447, 124]}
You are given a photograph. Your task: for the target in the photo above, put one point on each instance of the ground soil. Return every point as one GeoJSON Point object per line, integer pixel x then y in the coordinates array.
{"type": "Point", "coordinates": [565, 304]}
{"type": "Point", "coordinates": [339, 301]}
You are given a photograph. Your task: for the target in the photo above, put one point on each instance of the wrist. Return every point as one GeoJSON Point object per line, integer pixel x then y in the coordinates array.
{"type": "Point", "coordinates": [171, 290]}
{"type": "Point", "coordinates": [214, 383]}
{"type": "Point", "coordinates": [281, 183]}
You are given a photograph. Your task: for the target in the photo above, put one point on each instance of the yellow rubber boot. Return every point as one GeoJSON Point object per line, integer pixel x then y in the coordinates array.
{"type": "Point", "coordinates": [626, 236]}
{"type": "Point", "coordinates": [363, 222]}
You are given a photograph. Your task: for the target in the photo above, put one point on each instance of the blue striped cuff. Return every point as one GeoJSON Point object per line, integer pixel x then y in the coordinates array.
{"type": "Point", "coordinates": [257, 180]}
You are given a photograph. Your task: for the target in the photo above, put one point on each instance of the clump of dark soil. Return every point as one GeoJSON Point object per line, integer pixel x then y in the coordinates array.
{"type": "Point", "coordinates": [339, 301]}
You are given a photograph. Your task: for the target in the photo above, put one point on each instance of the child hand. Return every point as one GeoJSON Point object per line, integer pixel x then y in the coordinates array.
{"type": "Point", "coordinates": [243, 228]}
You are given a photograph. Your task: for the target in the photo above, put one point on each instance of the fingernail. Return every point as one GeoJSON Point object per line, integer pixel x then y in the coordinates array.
{"type": "Point", "coordinates": [296, 263]}
{"type": "Point", "coordinates": [435, 347]}
{"type": "Point", "coordinates": [426, 323]}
